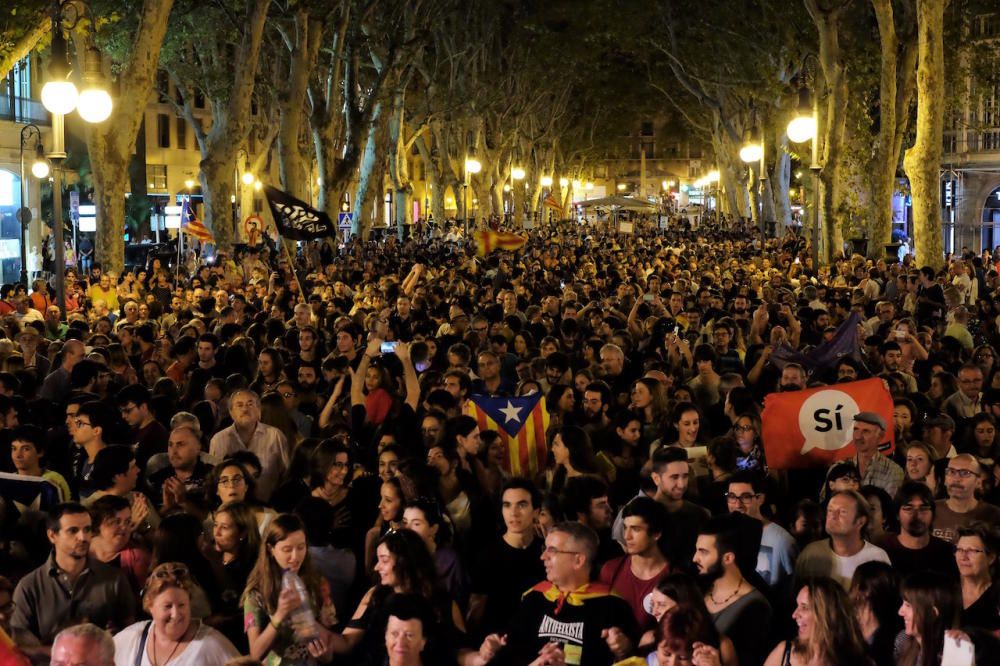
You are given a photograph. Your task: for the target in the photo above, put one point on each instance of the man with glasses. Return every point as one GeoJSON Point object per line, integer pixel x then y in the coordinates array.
{"type": "Point", "coordinates": [292, 394]}
{"type": "Point", "coordinates": [915, 549]}
{"type": "Point", "coordinates": [966, 402]}
{"type": "Point", "coordinates": [149, 437]}
{"type": "Point", "coordinates": [566, 618]}
{"type": "Point", "coordinates": [248, 434]}
{"type": "Point", "coordinates": [778, 549]}
{"type": "Point", "coordinates": [71, 586]}
{"type": "Point", "coordinates": [89, 426]}
{"type": "Point", "coordinates": [963, 478]}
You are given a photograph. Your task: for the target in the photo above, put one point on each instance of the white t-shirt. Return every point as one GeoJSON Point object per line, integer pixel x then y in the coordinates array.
{"type": "Point", "coordinates": [207, 648]}
{"type": "Point", "coordinates": [818, 559]}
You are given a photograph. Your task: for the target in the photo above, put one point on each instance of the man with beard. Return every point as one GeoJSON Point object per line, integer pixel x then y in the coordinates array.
{"type": "Point", "coordinates": [963, 479]}
{"type": "Point", "coordinates": [71, 586]}
{"type": "Point", "coordinates": [892, 364]}
{"type": "Point", "coordinates": [915, 549]}
{"type": "Point", "coordinates": [793, 378]}
{"type": "Point", "coordinates": [310, 400]}
{"type": "Point", "coordinates": [596, 403]}
{"type": "Point", "coordinates": [739, 610]}
{"type": "Point", "coordinates": [182, 481]}
{"type": "Point", "coordinates": [566, 619]}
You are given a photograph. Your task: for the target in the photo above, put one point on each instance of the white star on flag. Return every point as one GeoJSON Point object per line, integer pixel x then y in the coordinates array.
{"type": "Point", "coordinates": [511, 412]}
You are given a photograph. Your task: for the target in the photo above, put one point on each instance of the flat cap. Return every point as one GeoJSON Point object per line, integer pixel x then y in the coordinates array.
{"type": "Point", "coordinates": [871, 418]}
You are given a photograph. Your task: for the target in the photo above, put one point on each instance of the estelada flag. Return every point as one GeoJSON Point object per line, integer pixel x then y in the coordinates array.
{"type": "Point", "coordinates": [489, 240]}
{"type": "Point", "coordinates": [521, 424]}
{"type": "Point", "coordinates": [191, 225]}
{"type": "Point", "coordinates": [814, 427]}
{"type": "Point", "coordinates": [551, 202]}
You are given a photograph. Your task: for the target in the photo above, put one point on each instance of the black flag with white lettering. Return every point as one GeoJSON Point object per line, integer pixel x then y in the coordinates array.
{"type": "Point", "coordinates": [296, 219]}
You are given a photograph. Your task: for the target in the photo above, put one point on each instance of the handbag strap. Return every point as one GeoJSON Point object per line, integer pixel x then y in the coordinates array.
{"type": "Point", "coordinates": [142, 643]}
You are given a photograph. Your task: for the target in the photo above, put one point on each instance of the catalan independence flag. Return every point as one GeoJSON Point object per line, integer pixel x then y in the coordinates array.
{"type": "Point", "coordinates": [551, 202]}
{"type": "Point", "coordinates": [489, 240]}
{"type": "Point", "coordinates": [521, 424]}
{"type": "Point", "coordinates": [192, 225]}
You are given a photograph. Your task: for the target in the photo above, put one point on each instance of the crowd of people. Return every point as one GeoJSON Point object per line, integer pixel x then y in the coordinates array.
{"type": "Point", "coordinates": [267, 460]}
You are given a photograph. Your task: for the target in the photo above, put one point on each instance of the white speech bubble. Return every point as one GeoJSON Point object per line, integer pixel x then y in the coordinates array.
{"type": "Point", "coordinates": [826, 420]}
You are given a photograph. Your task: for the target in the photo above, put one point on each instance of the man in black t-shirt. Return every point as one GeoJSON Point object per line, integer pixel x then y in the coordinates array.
{"type": "Point", "coordinates": [915, 549]}
{"type": "Point", "coordinates": [566, 618]}
{"type": "Point", "coordinates": [511, 564]}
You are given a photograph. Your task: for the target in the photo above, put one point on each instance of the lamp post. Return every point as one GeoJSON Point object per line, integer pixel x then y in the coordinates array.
{"type": "Point", "coordinates": [40, 170]}
{"type": "Point", "coordinates": [754, 152]}
{"type": "Point", "coordinates": [802, 128]}
{"type": "Point", "coordinates": [60, 96]}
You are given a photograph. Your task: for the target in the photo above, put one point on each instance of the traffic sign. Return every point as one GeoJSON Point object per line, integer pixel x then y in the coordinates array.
{"type": "Point", "coordinates": [344, 220]}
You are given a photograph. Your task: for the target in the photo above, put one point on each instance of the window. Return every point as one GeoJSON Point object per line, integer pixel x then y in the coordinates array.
{"type": "Point", "coordinates": [163, 130]}
{"type": "Point", "coordinates": [163, 86]}
{"type": "Point", "coordinates": [156, 176]}
{"type": "Point", "coordinates": [182, 134]}
{"type": "Point", "coordinates": [647, 129]}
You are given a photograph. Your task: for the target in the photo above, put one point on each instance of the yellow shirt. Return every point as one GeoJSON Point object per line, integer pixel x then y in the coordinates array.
{"type": "Point", "coordinates": [109, 296]}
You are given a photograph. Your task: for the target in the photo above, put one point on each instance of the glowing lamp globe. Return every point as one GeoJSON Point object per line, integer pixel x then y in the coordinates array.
{"type": "Point", "coordinates": [94, 105]}
{"type": "Point", "coordinates": [248, 178]}
{"type": "Point", "coordinates": [563, 182]}
{"type": "Point", "coordinates": [473, 165]}
{"type": "Point", "coordinates": [517, 173]}
{"type": "Point", "coordinates": [60, 96]}
{"type": "Point", "coordinates": [751, 152]}
{"type": "Point", "coordinates": [40, 169]}
{"type": "Point", "coordinates": [546, 181]}
{"type": "Point", "coordinates": [802, 129]}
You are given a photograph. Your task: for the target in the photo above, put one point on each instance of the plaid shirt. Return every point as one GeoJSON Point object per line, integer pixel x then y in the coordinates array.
{"type": "Point", "coordinates": [881, 473]}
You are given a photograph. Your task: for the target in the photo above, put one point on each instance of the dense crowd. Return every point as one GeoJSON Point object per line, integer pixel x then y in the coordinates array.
{"type": "Point", "coordinates": [229, 464]}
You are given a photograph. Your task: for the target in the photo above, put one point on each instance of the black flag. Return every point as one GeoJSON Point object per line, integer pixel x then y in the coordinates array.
{"type": "Point", "coordinates": [296, 219]}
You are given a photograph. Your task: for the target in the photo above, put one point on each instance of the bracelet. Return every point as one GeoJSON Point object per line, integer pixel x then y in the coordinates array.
{"type": "Point", "coordinates": [276, 625]}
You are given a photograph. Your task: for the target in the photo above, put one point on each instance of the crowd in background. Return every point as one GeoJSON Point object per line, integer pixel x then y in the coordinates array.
{"type": "Point", "coordinates": [203, 433]}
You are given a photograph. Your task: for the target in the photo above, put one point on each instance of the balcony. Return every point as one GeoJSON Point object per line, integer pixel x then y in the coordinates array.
{"type": "Point", "coordinates": [22, 110]}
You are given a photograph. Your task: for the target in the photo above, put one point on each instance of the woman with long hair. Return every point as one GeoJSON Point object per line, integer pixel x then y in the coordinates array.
{"type": "Point", "coordinates": [874, 594]}
{"type": "Point", "coordinates": [560, 402]}
{"type": "Point", "coordinates": [685, 426]}
{"type": "Point", "coordinates": [330, 479]}
{"type": "Point", "coordinates": [828, 633]}
{"type": "Point", "coordinates": [919, 457]}
{"type": "Point", "coordinates": [943, 384]}
{"type": "Point", "coordinates": [573, 456]}
{"type": "Point", "coordinates": [932, 604]}
{"type": "Point", "coordinates": [425, 517]}
{"type": "Point", "coordinates": [232, 555]}
{"type": "Point", "coordinates": [403, 566]}
{"type": "Point", "coordinates": [269, 609]}
{"type": "Point", "coordinates": [750, 447]}
{"type": "Point", "coordinates": [985, 436]}
{"type": "Point", "coordinates": [649, 400]}
{"type": "Point", "coordinates": [390, 517]}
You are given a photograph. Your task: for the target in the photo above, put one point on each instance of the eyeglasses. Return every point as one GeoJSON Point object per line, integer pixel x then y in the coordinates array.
{"type": "Point", "coordinates": [127, 409]}
{"type": "Point", "coordinates": [745, 498]}
{"type": "Point", "coordinates": [478, 329]}
{"type": "Point", "coordinates": [961, 473]}
{"type": "Point", "coordinates": [969, 551]}
{"type": "Point", "coordinates": [179, 571]}
{"type": "Point", "coordinates": [288, 394]}
{"type": "Point", "coordinates": [80, 423]}
{"type": "Point", "coordinates": [552, 551]}
{"type": "Point", "coordinates": [235, 480]}
{"type": "Point", "coordinates": [744, 428]}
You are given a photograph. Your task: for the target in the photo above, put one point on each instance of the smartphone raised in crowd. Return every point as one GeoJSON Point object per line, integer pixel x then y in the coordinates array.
{"type": "Point", "coordinates": [388, 347]}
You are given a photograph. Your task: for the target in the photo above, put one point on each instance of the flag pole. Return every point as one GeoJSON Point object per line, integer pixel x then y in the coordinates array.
{"type": "Point", "coordinates": [291, 264]}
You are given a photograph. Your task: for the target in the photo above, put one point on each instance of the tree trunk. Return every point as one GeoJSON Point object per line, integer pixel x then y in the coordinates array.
{"type": "Point", "coordinates": [361, 223]}
{"type": "Point", "coordinates": [433, 175]}
{"type": "Point", "coordinates": [304, 49]}
{"type": "Point", "coordinates": [923, 160]}
{"type": "Point", "coordinates": [780, 184]}
{"type": "Point", "coordinates": [111, 143]}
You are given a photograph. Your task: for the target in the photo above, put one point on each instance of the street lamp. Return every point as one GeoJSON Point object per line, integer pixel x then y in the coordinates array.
{"type": "Point", "coordinates": [60, 96]}
{"type": "Point", "coordinates": [563, 182]}
{"type": "Point", "coordinates": [40, 169]}
{"type": "Point", "coordinates": [517, 173]}
{"type": "Point", "coordinates": [546, 181]}
{"type": "Point", "coordinates": [802, 128]}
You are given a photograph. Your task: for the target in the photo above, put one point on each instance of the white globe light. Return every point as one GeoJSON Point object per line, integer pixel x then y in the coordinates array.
{"type": "Point", "coordinates": [60, 96]}
{"type": "Point", "coordinates": [248, 178]}
{"type": "Point", "coordinates": [712, 176]}
{"type": "Point", "coordinates": [751, 152]}
{"type": "Point", "coordinates": [802, 129]}
{"type": "Point", "coordinates": [506, 188]}
{"type": "Point", "coordinates": [473, 165]}
{"type": "Point", "coordinates": [563, 182]}
{"type": "Point", "coordinates": [94, 105]}
{"type": "Point", "coordinates": [589, 186]}
{"type": "Point", "coordinates": [546, 181]}
{"type": "Point", "coordinates": [40, 169]}
{"type": "Point", "coordinates": [517, 173]}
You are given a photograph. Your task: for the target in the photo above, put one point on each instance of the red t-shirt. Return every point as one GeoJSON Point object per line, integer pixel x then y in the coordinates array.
{"type": "Point", "coordinates": [617, 574]}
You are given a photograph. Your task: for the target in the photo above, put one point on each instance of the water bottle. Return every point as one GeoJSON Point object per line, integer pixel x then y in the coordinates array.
{"type": "Point", "coordinates": [302, 619]}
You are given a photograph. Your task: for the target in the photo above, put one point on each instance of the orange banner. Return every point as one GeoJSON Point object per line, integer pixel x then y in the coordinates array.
{"type": "Point", "coordinates": [814, 427]}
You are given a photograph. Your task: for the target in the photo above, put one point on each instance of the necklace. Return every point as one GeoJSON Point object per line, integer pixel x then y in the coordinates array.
{"type": "Point", "coordinates": [169, 656]}
{"type": "Point", "coordinates": [711, 595]}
